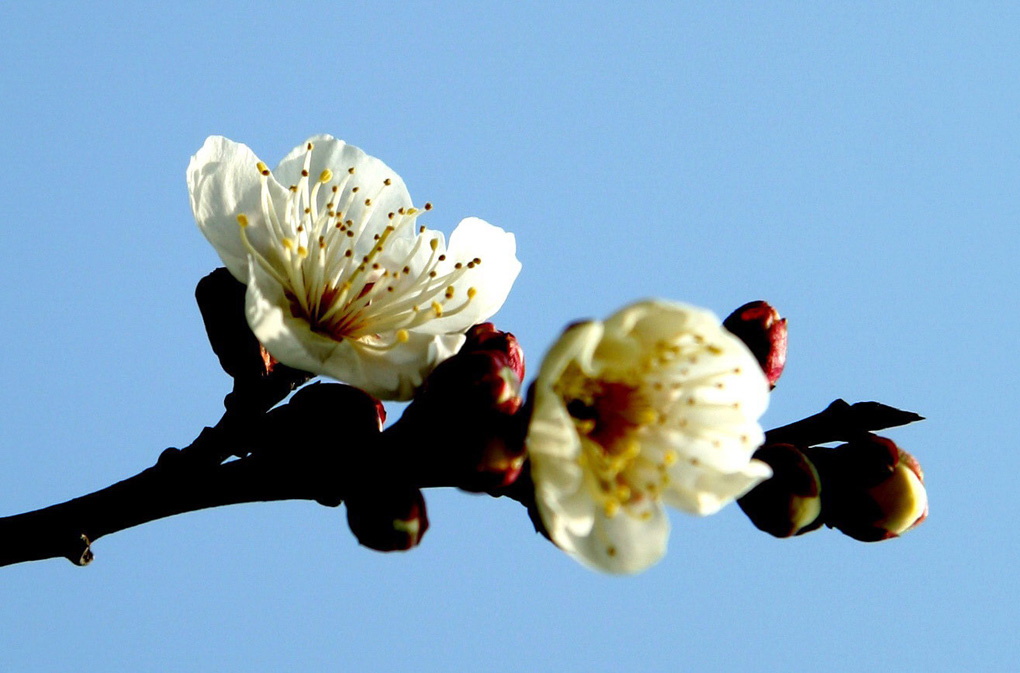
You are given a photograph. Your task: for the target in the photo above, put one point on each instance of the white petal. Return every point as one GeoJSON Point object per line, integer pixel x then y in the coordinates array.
{"type": "Point", "coordinates": [702, 491]}
{"type": "Point", "coordinates": [369, 176]}
{"type": "Point", "coordinates": [392, 374]}
{"type": "Point", "coordinates": [491, 279]}
{"type": "Point", "coordinates": [567, 513]}
{"type": "Point", "coordinates": [222, 182]}
{"type": "Point", "coordinates": [623, 544]}
{"type": "Point", "coordinates": [577, 344]}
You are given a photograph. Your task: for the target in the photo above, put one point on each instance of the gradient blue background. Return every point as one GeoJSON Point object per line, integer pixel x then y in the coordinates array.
{"type": "Point", "coordinates": [858, 165]}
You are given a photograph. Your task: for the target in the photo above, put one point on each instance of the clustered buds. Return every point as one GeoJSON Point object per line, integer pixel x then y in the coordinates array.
{"type": "Point", "coordinates": [869, 489]}
{"type": "Point", "coordinates": [466, 427]}
{"type": "Point", "coordinates": [761, 329]}
{"type": "Point", "coordinates": [479, 389]}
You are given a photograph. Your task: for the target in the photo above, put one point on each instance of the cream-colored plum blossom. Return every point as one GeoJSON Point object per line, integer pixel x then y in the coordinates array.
{"type": "Point", "coordinates": [341, 278]}
{"type": "Point", "coordinates": [658, 405]}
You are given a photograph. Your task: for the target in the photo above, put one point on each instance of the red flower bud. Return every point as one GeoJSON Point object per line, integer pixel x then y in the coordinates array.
{"type": "Point", "coordinates": [484, 375]}
{"type": "Point", "coordinates": [789, 503]}
{"type": "Point", "coordinates": [761, 329]}
{"type": "Point", "coordinates": [486, 337]}
{"type": "Point", "coordinates": [476, 394]}
{"type": "Point", "coordinates": [391, 519]}
{"type": "Point", "coordinates": [874, 490]}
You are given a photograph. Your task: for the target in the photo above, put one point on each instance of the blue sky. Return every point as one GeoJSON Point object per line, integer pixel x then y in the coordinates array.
{"type": "Point", "coordinates": [857, 165]}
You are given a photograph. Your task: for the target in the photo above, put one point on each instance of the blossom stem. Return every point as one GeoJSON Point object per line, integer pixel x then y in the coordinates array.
{"type": "Point", "coordinates": [181, 481]}
{"type": "Point", "coordinates": [841, 422]}
{"type": "Point", "coordinates": [201, 476]}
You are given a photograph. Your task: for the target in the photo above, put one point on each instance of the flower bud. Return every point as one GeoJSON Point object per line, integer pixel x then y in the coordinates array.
{"type": "Point", "coordinates": [875, 490]}
{"type": "Point", "coordinates": [486, 337]}
{"type": "Point", "coordinates": [480, 444]}
{"type": "Point", "coordinates": [761, 329]}
{"type": "Point", "coordinates": [501, 456]}
{"type": "Point", "coordinates": [303, 433]}
{"type": "Point", "coordinates": [789, 503]}
{"type": "Point", "coordinates": [484, 375]}
{"type": "Point", "coordinates": [390, 519]}
{"type": "Point", "coordinates": [260, 382]}
{"type": "Point", "coordinates": [220, 299]}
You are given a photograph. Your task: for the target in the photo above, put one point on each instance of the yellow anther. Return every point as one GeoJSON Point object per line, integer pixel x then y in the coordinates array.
{"type": "Point", "coordinates": [434, 243]}
{"type": "Point", "coordinates": [387, 182]}
{"type": "Point", "coordinates": [262, 168]}
{"type": "Point", "coordinates": [242, 220]}
{"type": "Point", "coordinates": [449, 292]}
{"type": "Point", "coordinates": [670, 458]}
{"type": "Point", "coordinates": [402, 336]}
{"type": "Point", "coordinates": [437, 308]}
{"type": "Point", "coordinates": [612, 508]}
{"type": "Point", "coordinates": [647, 416]}
{"type": "Point", "coordinates": [325, 176]}
{"type": "Point", "coordinates": [472, 292]}
{"type": "Point", "coordinates": [287, 243]}
{"type": "Point", "coordinates": [302, 251]}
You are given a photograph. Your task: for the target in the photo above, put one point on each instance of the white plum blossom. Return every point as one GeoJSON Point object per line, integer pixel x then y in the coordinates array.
{"type": "Point", "coordinates": [657, 405]}
{"type": "Point", "coordinates": [341, 279]}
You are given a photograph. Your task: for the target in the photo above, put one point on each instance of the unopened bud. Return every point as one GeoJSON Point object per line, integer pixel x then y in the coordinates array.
{"type": "Point", "coordinates": [761, 329]}
{"type": "Point", "coordinates": [789, 503]}
{"type": "Point", "coordinates": [305, 431]}
{"type": "Point", "coordinates": [875, 490]}
{"type": "Point", "coordinates": [501, 453]}
{"type": "Point", "coordinates": [391, 519]}
{"type": "Point", "coordinates": [220, 298]}
{"type": "Point", "coordinates": [478, 381]}
{"type": "Point", "coordinates": [486, 337]}
{"type": "Point", "coordinates": [361, 414]}
{"type": "Point", "coordinates": [260, 381]}
{"type": "Point", "coordinates": [478, 391]}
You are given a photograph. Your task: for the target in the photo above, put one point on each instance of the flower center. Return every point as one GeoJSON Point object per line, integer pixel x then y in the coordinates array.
{"type": "Point", "coordinates": [343, 273]}
{"type": "Point", "coordinates": [628, 418]}
{"type": "Point", "coordinates": [610, 417]}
